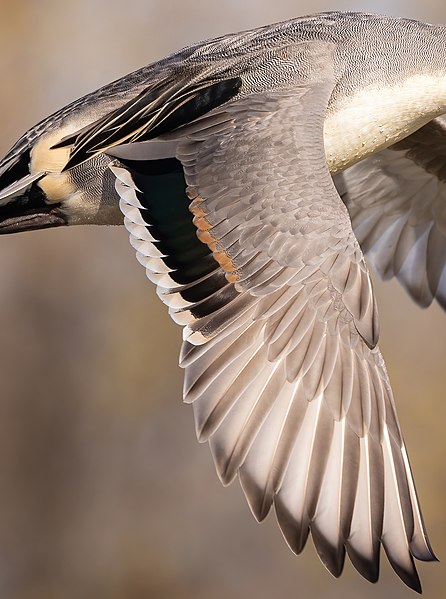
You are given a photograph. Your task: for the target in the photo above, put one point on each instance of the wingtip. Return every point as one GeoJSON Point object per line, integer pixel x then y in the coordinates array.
{"type": "Point", "coordinates": [407, 572]}
{"type": "Point", "coordinates": [414, 583]}
{"type": "Point", "coordinates": [295, 533]}
{"type": "Point", "coordinates": [422, 550]}
{"type": "Point", "coordinates": [332, 556]}
{"type": "Point", "coordinates": [368, 567]}
{"type": "Point", "coordinates": [259, 502]}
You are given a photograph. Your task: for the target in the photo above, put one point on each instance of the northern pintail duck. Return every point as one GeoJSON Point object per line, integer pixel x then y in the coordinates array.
{"type": "Point", "coordinates": [253, 172]}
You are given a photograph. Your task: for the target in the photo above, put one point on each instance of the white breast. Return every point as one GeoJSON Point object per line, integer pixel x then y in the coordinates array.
{"type": "Point", "coordinates": [377, 117]}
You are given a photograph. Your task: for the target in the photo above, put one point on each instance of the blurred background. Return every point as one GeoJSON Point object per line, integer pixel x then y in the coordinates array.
{"type": "Point", "coordinates": [104, 491]}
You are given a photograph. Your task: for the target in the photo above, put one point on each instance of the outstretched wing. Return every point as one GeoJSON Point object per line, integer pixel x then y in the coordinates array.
{"type": "Point", "coordinates": [260, 265]}
{"type": "Point", "coordinates": [397, 202]}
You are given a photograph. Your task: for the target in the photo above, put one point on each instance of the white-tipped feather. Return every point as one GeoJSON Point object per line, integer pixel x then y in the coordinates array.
{"type": "Point", "coordinates": [124, 180]}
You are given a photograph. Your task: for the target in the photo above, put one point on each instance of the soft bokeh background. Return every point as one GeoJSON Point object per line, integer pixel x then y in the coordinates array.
{"type": "Point", "coordinates": [104, 491]}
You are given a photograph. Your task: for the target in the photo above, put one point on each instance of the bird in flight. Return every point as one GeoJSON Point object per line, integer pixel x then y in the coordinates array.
{"type": "Point", "coordinates": [254, 172]}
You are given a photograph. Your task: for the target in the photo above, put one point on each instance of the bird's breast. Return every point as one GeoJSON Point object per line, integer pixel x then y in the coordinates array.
{"type": "Point", "coordinates": [376, 117]}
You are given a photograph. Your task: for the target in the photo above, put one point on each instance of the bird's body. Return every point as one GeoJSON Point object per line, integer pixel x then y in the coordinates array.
{"type": "Point", "coordinates": [221, 157]}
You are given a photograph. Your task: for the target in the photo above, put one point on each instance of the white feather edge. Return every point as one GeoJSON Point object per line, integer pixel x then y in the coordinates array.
{"type": "Point", "coordinates": [150, 257]}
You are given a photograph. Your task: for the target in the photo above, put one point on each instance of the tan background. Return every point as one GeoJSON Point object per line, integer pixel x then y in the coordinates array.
{"type": "Point", "coordinates": [104, 492]}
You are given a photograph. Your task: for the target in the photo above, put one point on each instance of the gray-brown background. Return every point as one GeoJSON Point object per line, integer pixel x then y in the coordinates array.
{"type": "Point", "coordinates": [104, 491]}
